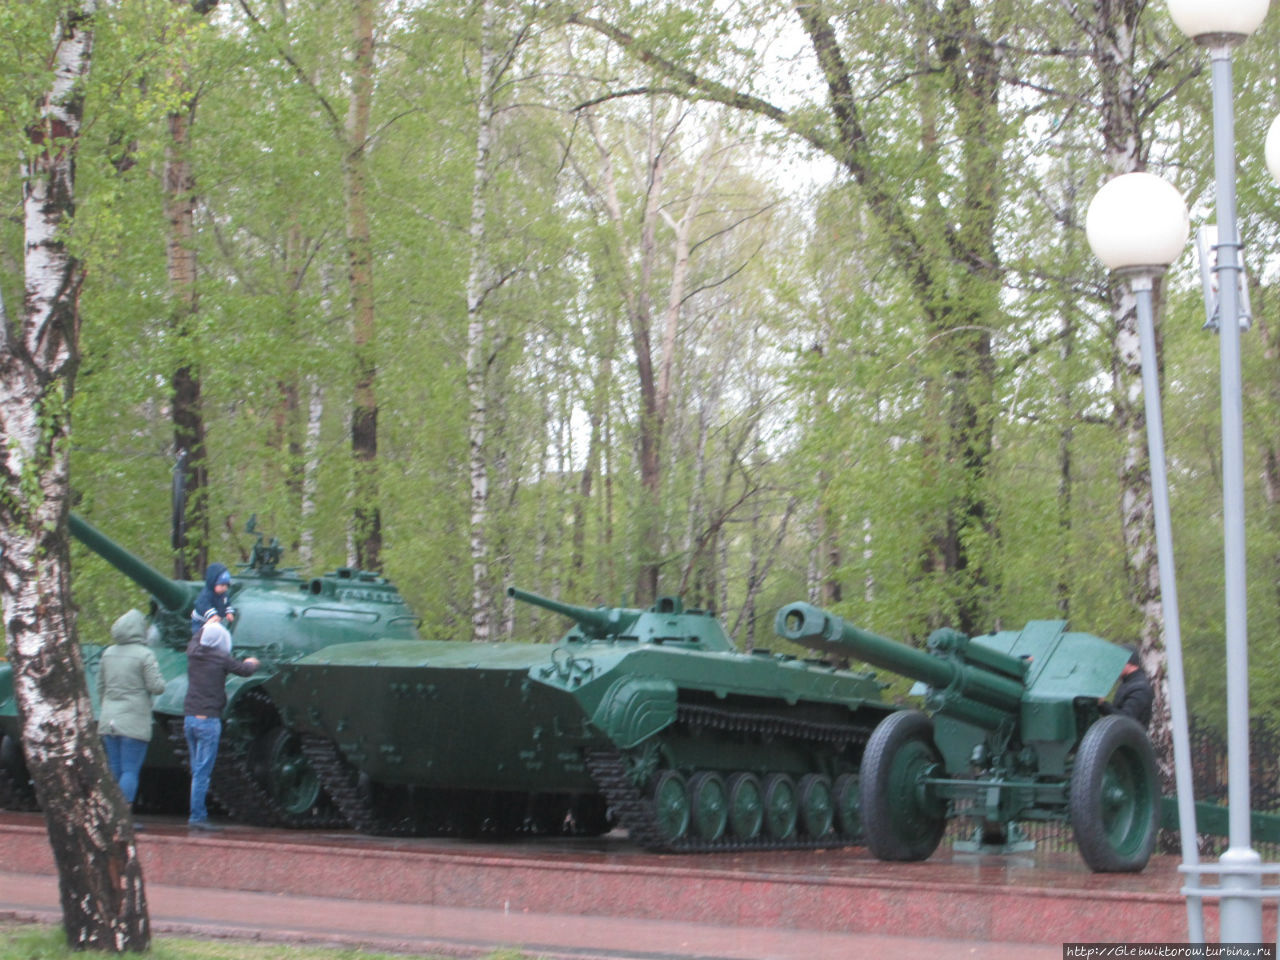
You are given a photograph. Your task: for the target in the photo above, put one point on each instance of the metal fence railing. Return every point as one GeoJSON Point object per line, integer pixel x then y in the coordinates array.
{"type": "Point", "coordinates": [1209, 779]}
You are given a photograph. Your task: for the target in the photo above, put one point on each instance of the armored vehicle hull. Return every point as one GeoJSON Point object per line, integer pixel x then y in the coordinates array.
{"type": "Point", "coordinates": [261, 775]}
{"type": "Point", "coordinates": [645, 719]}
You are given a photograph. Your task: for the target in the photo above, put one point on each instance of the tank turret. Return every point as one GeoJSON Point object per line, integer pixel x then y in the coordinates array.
{"type": "Point", "coordinates": [667, 621]}
{"type": "Point", "coordinates": [595, 624]}
{"type": "Point", "coordinates": [261, 775]}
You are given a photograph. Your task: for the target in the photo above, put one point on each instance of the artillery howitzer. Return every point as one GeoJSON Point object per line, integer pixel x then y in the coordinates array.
{"type": "Point", "coordinates": [261, 775]}
{"type": "Point", "coordinates": [1013, 732]}
{"type": "Point", "coordinates": [648, 718]}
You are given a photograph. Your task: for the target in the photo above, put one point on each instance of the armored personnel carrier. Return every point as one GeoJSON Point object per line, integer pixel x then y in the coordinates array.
{"type": "Point", "coordinates": [648, 719]}
{"type": "Point", "coordinates": [261, 776]}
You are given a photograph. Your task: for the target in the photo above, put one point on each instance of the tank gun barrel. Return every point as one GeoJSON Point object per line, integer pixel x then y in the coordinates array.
{"type": "Point", "coordinates": [173, 595]}
{"type": "Point", "coordinates": [597, 623]}
{"type": "Point", "coordinates": [970, 678]}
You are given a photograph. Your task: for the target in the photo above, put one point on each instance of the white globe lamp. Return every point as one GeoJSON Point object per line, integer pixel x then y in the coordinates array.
{"type": "Point", "coordinates": [1205, 20]}
{"type": "Point", "coordinates": [1273, 149]}
{"type": "Point", "coordinates": [1137, 222]}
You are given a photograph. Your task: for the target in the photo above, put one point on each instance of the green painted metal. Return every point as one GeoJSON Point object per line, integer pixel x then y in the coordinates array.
{"type": "Point", "coordinates": [645, 711]}
{"type": "Point", "coordinates": [1009, 736]}
{"type": "Point", "coordinates": [1211, 819]}
{"type": "Point", "coordinates": [281, 615]}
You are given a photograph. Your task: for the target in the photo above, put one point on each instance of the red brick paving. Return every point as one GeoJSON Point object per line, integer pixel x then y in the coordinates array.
{"type": "Point", "coordinates": [603, 898]}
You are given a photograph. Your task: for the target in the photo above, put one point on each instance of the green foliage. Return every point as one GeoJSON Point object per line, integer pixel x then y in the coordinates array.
{"type": "Point", "coordinates": [820, 376]}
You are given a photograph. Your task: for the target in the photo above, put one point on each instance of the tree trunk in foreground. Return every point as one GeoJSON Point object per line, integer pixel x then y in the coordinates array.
{"type": "Point", "coordinates": [100, 877]}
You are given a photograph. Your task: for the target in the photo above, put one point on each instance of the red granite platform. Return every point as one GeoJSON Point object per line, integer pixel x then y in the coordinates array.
{"type": "Point", "coordinates": [1047, 898]}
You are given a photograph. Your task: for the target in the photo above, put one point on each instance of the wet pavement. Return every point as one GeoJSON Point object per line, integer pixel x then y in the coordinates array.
{"type": "Point", "coordinates": [603, 897]}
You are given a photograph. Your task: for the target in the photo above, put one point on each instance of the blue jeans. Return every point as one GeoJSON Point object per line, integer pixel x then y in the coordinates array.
{"type": "Point", "coordinates": [202, 749]}
{"type": "Point", "coordinates": [125, 756]}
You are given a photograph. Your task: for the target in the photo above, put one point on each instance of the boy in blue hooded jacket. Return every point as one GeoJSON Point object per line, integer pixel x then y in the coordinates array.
{"type": "Point", "coordinates": [212, 598]}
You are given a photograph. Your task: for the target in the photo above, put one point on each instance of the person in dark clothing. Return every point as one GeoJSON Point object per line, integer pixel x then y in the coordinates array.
{"type": "Point", "coordinates": [212, 598]}
{"type": "Point", "coordinates": [209, 660]}
{"type": "Point", "coordinates": [1134, 696]}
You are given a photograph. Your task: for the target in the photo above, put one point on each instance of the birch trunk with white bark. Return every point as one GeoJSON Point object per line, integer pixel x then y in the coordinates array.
{"type": "Point", "coordinates": [99, 875]}
{"type": "Point", "coordinates": [483, 610]}
{"type": "Point", "coordinates": [1112, 26]}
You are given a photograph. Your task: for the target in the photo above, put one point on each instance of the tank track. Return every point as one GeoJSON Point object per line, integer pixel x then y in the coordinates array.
{"type": "Point", "coordinates": [233, 787]}
{"type": "Point", "coordinates": [15, 796]}
{"type": "Point", "coordinates": [243, 795]}
{"type": "Point", "coordinates": [17, 793]}
{"type": "Point", "coordinates": [635, 811]}
{"type": "Point", "coordinates": [352, 802]}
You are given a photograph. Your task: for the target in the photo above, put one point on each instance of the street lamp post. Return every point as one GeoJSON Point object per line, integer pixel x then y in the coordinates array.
{"type": "Point", "coordinates": [1220, 27]}
{"type": "Point", "coordinates": [1137, 225]}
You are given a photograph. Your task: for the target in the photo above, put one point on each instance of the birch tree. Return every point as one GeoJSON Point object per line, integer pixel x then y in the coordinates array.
{"type": "Point", "coordinates": [100, 877]}
{"type": "Point", "coordinates": [1126, 97]}
{"type": "Point", "coordinates": [950, 263]}
{"type": "Point", "coordinates": [479, 340]}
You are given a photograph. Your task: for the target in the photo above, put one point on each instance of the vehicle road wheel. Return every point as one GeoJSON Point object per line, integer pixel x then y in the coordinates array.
{"type": "Point", "coordinates": [848, 817]}
{"type": "Point", "coordinates": [817, 805]}
{"type": "Point", "coordinates": [1115, 796]}
{"type": "Point", "coordinates": [780, 808]}
{"type": "Point", "coordinates": [287, 774]}
{"type": "Point", "coordinates": [671, 804]}
{"type": "Point", "coordinates": [709, 805]}
{"type": "Point", "coordinates": [900, 820]}
{"type": "Point", "coordinates": [746, 806]}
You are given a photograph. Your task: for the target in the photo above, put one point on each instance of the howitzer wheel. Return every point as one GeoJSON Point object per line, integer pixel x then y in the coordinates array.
{"type": "Point", "coordinates": [848, 806]}
{"type": "Point", "coordinates": [1115, 796]}
{"type": "Point", "coordinates": [746, 806]}
{"type": "Point", "coordinates": [900, 819]}
{"type": "Point", "coordinates": [671, 804]}
{"type": "Point", "coordinates": [780, 807]}
{"type": "Point", "coordinates": [817, 805]}
{"type": "Point", "coordinates": [709, 805]}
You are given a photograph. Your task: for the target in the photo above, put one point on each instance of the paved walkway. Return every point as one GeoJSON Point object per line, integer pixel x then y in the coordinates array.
{"type": "Point", "coordinates": [464, 932]}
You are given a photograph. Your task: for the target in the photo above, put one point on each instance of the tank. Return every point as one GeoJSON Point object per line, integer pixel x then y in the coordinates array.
{"type": "Point", "coordinates": [261, 776]}
{"type": "Point", "coordinates": [647, 719]}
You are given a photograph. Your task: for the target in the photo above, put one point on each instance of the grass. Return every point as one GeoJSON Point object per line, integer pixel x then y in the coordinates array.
{"type": "Point", "coordinates": [31, 941]}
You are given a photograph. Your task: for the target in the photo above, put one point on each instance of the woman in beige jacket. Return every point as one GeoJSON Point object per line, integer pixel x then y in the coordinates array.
{"type": "Point", "coordinates": [128, 677]}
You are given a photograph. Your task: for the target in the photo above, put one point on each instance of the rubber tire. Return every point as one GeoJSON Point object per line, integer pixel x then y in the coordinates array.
{"type": "Point", "coordinates": [781, 806]}
{"type": "Point", "coordinates": [897, 823]}
{"type": "Point", "coordinates": [708, 806]}
{"type": "Point", "coordinates": [816, 802]}
{"type": "Point", "coordinates": [1115, 796]}
{"type": "Point", "coordinates": [746, 806]}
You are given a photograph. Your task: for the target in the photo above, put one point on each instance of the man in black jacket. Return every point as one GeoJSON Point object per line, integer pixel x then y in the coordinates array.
{"type": "Point", "coordinates": [209, 661]}
{"type": "Point", "coordinates": [1134, 696]}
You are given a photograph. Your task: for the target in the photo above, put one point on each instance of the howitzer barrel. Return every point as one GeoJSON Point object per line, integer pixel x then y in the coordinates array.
{"type": "Point", "coordinates": [805, 624]}
{"type": "Point", "coordinates": [171, 594]}
{"type": "Point", "coordinates": [598, 622]}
